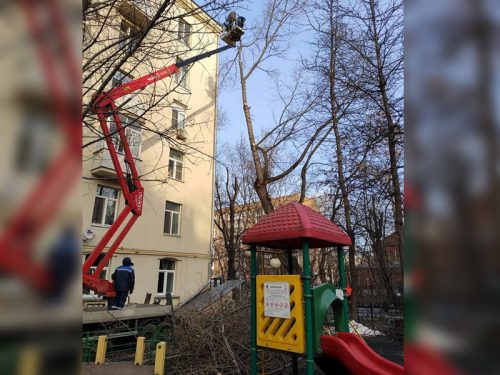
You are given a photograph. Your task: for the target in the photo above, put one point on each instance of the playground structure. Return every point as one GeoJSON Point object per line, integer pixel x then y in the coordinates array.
{"type": "Point", "coordinates": [287, 314]}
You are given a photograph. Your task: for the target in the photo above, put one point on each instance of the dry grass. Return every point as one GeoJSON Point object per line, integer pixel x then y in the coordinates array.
{"type": "Point", "coordinates": [217, 341]}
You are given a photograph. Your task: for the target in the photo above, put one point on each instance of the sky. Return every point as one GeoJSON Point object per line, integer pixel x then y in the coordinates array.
{"type": "Point", "coordinates": [261, 90]}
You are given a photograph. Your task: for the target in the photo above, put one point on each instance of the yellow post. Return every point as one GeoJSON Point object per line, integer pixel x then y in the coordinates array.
{"type": "Point", "coordinates": [29, 361]}
{"type": "Point", "coordinates": [139, 351]}
{"type": "Point", "coordinates": [100, 356]}
{"type": "Point", "coordinates": [161, 349]}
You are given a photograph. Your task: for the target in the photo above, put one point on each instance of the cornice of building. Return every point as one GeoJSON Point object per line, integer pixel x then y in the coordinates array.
{"type": "Point", "coordinates": [199, 13]}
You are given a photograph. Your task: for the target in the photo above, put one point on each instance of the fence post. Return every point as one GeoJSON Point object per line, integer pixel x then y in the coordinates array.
{"type": "Point", "coordinates": [100, 356]}
{"type": "Point", "coordinates": [29, 361]}
{"type": "Point", "coordinates": [139, 351]}
{"type": "Point", "coordinates": [87, 353]}
{"type": "Point", "coordinates": [161, 349]}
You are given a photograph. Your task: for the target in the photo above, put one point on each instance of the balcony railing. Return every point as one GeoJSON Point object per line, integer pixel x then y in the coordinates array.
{"type": "Point", "coordinates": [102, 164]}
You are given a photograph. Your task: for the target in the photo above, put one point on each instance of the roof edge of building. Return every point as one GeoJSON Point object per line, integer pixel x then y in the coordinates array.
{"type": "Point", "coordinates": [191, 5]}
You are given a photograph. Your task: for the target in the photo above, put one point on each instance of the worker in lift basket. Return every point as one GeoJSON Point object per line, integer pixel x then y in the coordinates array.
{"type": "Point", "coordinates": [124, 281]}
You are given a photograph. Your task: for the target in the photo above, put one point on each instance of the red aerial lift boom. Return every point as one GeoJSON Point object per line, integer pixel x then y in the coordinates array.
{"type": "Point", "coordinates": [130, 185]}
{"type": "Point", "coordinates": [46, 25]}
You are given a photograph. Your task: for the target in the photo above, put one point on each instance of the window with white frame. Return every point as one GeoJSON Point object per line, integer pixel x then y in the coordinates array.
{"type": "Point", "coordinates": [184, 31]}
{"type": "Point", "coordinates": [171, 224]}
{"type": "Point", "coordinates": [104, 275]}
{"type": "Point", "coordinates": [105, 205]}
{"type": "Point", "coordinates": [127, 33]}
{"type": "Point", "coordinates": [175, 164]}
{"type": "Point", "coordinates": [35, 142]}
{"type": "Point", "coordinates": [181, 77]}
{"type": "Point", "coordinates": [133, 134]}
{"type": "Point", "coordinates": [166, 276]}
{"type": "Point", "coordinates": [120, 78]}
{"type": "Point", "coordinates": [178, 118]}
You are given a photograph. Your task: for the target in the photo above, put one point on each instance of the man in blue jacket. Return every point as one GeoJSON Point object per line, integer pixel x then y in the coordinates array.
{"type": "Point", "coordinates": [124, 281]}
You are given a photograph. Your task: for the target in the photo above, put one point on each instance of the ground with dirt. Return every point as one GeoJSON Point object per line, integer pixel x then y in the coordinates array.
{"type": "Point", "coordinates": [116, 368]}
{"type": "Point", "coordinates": [387, 347]}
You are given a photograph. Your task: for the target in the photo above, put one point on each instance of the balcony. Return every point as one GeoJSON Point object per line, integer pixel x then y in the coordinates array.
{"type": "Point", "coordinates": [102, 165]}
{"type": "Point", "coordinates": [181, 134]}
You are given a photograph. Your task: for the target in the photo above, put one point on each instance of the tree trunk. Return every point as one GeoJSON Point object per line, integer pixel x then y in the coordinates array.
{"type": "Point", "coordinates": [391, 139]}
{"type": "Point", "coordinates": [321, 267]}
{"type": "Point", "coordinates": [260, 183]}
{"type": "Point", "coordinates": [231, 256]}
{"type": "Point", "coordinates": [384, 272]}
{"type": "Point", "coordinates": [340, 166]}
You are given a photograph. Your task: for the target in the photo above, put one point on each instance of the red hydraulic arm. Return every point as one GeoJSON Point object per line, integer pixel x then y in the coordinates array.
{"type": "Point", "coordinates": [130, 185]}
{"type": "Point", "coordinates": [46, 23]}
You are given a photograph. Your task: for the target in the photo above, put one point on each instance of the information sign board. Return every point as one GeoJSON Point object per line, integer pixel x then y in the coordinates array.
{"type": "Point", "coordinates": [277, 299]}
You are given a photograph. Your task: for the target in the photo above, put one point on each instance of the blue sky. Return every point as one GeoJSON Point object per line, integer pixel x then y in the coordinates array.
{"type": "Point", "coordinates": [260, 89]}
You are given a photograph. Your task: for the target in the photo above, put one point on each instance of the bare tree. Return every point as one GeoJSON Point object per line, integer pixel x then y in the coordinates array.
{"type": "Point", "coordinates": [377, 39]}
{"type": "Point", "coordinates": [226, 219]}
{"type": "Point", "coordinates": [331, 58]}
{"type": "Point", "coordinates": [289, 130]}
{"type": "Point", "coordinates": [375, 221]}
{"type": "Point", "coordinates": [235, 208]}
{"type": "Point", "coordinates": [357, 65]}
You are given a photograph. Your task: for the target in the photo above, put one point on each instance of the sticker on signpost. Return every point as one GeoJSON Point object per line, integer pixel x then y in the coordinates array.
{"type": "Point", "coordinates": [277, 300]}
{"type": "Point", "coordinates": [339, 293]}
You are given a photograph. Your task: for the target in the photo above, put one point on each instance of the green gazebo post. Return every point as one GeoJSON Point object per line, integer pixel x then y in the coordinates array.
{"type": "Point", "coordinates": [306, 276]}
{"type": "Point", "coordinates": [253, 310]}
{"type": "Point", "coordinates": [344, 323]}
{"type": "Point", "coordinates": [295, 365]}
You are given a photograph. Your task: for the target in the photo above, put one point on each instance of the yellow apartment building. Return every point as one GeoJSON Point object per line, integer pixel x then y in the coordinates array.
{"type": "Point", "coordinates": [170, 127]}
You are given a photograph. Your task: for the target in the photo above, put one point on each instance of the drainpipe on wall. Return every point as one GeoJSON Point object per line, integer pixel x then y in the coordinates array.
{"type": "Point", "coordinates": [211, 245]}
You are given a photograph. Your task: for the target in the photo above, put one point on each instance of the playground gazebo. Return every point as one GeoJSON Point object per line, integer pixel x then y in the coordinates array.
{"type": "Point", "coordinates": [291, 227]}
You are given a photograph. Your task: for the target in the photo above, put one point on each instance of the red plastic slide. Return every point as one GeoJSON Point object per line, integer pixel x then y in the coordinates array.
{"type": "Point", "coordinates": [357, 357]}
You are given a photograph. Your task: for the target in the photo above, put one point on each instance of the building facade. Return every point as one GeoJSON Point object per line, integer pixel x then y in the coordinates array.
{"type": "Point", "coordinates": [370, 276]}
{"type": "Point", "coordinates": [170, 127]}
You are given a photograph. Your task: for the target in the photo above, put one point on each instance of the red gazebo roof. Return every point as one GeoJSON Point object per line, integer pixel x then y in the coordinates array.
{"type": "Point", "coordinates": [285, 228]}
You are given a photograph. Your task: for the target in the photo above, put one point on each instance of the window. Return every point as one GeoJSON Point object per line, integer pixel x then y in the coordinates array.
{"type": "Point", "coordinates": [127, 33]}
{"type": "Point", "coordinates": [103, 275]}
{"type": "Point", "coordinates": [35, 142]}
{"type": "Point", "coordinates": [181, 77]}
{"type": "Point", "coordinates": [166, 276]}
{"type": "Point", "coordinates": [178, 118]}
{"type": "Point", "coordinates": [175, 164]}
{"type": "Point", "coordinates": [172, 218]}
{"type": "Point", "coordinates": [132, 133]}
{"type": "Point", "coordinates": [106, 201]}
{"type": "Point", "coordinates": [184, 31]}
{"type": "Point", "coordinates": [120, 78]}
